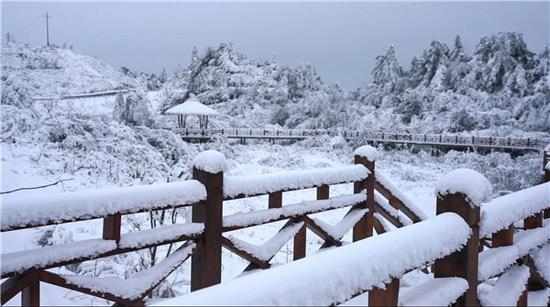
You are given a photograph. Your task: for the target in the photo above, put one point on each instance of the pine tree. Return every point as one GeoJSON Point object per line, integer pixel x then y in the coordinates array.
{"type": "Point", "coordinates": [387, 72]}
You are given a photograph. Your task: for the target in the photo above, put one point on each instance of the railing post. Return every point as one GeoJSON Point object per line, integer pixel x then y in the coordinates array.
{"type": "Point", "coordinates": [30, 295]}
{"type": "Point", "coordinates": [206, 260]}
{"type": "Point", "coordinates": [365, 155]}
{"type": "Point", "coordinates": [111, 227]}
{"type": "Point", "coordinates": [275, 200]}
{"type": "Point", "coordinates": [453, 195]}
{"type": "Point", "coordinates": [385, 297]}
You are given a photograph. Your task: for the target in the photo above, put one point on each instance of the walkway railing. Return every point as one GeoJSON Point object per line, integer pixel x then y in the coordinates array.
{"type": "Point", "coordinates": [374, 137]}
{"type": "Point", "coordinates": [451, 241]}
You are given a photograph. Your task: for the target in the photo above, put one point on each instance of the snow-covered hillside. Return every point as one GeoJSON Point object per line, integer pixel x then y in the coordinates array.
{"type": "Point", "coordinates": [51, 71]}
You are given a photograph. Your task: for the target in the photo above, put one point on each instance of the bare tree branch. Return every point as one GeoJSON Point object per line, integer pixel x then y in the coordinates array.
{"type": "Point", "coordinates": [37, 187]}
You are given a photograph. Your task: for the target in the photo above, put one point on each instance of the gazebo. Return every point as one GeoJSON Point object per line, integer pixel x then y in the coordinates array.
{"type": "Point", "coordinates": [192, 106]}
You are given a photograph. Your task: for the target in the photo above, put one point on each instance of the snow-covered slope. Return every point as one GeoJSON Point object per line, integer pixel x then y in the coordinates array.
{"type": "Point", "coordinates": [51, 71]}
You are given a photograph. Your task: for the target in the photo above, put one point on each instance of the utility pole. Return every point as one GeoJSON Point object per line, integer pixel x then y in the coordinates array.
{"type": "Point", "coordinates": [47, 28]}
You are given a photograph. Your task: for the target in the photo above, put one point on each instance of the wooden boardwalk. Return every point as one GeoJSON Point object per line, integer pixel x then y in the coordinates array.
{"type": "Point", "coordinates": [444, 140]}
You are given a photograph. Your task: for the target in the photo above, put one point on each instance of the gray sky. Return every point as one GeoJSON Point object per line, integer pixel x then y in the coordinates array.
{"type": "Point", "coordinates": [341, 39]}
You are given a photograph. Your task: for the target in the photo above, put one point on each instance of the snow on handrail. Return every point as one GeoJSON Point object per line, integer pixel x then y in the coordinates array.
{"type": "Point", "coordinates": [138, 283]}
{"type": "Point", "coordinates": [252, 185]}
{"type": "Point", "coordinates": [435, 292]}
{"type": "Point", "coordinates": [503, 211]}
{"type": "Point", "coordinates": [38, 209]}
{"type": "Point", "coordinates": [390, 186]}
{"type": "Point", "coordinates": [305, 207]}
{"type": "Point", "coordinates": [508, 288]}
{"type": "Point", "coordinates": [362, 265]}
{"type": "Point", "coordinates": [45, 256]}
{"type": "Point", "coordinates": [496, 260]}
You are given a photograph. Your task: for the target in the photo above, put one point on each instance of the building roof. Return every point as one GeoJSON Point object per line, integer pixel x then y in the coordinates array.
{"type": "Point", "coordinates": [192, 106]}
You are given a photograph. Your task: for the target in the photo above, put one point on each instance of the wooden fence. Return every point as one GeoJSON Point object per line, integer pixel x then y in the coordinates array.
{"type": "Point", "coordinates": [374, 202]}
{"type": "Point", "coordinates": [507, 143]}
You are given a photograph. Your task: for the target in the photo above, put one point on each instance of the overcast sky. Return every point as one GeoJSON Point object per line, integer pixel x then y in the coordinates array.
{"type": "Point", "coordinates": [340, 39]}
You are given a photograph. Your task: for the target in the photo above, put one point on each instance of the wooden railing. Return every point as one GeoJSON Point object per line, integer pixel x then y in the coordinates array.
{"type": "Point", "coordinates": [370, 136]}
{"type": "Point", "coordinates": [204, 235]}
{"type": "Point", "coordinates": [374, 203]}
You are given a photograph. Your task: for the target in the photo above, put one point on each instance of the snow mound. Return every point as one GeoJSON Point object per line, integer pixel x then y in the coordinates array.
{"type": "Point", "coordinates": [508, 288]}
{"type": "Point", "coordinates": [366, 151]}
{"type": "Point", "coordinates": [469, 182]}
{"type": "Point", "coordinates": [210, 161]}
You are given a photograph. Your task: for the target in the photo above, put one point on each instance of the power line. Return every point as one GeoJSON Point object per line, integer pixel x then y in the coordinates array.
{"type": "Point", "coordinates": [47, 28]}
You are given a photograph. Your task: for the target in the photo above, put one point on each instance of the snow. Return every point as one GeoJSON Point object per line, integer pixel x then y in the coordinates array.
{"type": "Point", "coordinates": [508, 288]}
{"type": "Point", "coordinates": [501, 212]}
{"type": "Point", "coordinates": [494, 261]}
{"type": "Point", "coordinates": [547, 167]}
{"type": "Point", "coordinates": [192, 106]}
{"type": "Point", "coordinates": [541, 258]}
{"type": "Point", "coordinates": [390, 186]}
{"type": "Point", "coordinates": [384, 203]}
{"type": "Point", "coordinates": [366, 151]}
{"type": "Point", "coordinates": [472, 184]}
{"type": "Point", "coordinates": [339, 230]}
{"type": "Point", "coordinates": [292, 180]}
{"type": "Point", "coordinates": [136, 284]}
{"type": "Point", "coordinates": [382, 221]}
{"type": "Point", "coordinates": [334, 275]}
{"type": "Point", "coordinates": [164, 233]}
{"type": "Point", "coordinates": [305, 207]}
{"type": "Point", "coordinates": [19, 210]}
{"type": "Point", "coordinates": [434, 292]}
{"type": "Point", "coordinates": [44, 256]}
{"type": "Point", "coordinates": [210, 161]}
{"type": "Point", "coordinates": [267, 250]}
{"type": "Point", "coordinates": [538, 298]}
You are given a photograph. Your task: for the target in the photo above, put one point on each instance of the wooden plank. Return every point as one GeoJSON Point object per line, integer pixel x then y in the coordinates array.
{"type": "Point", "coordinates": [227, 243]}
{"type": "Point", "coordinates": [504, 237]}
{"type": "Point", "coordinates": [275, 200]}
{"type": "Point", "coordinates": [462, 263]}
{"type": "Point", "coordinates": [385, 297]}
{"type": "Point", "coordinates": [385, 214]}
{"type": "Point", "coordinates": [111, 227]}
{"type": "Point", "coordinates": [206, 261]}
{"type": "Point", "coordinates": [114, 252]}
{"type": "Point", "coordinates": [396, 202]}
{"type": "Point", "coordinates": [534, 221]}
{"type": "Point", "coordinates": [299, 243]}
{"type": "Point", "coordinates": [329, 240]}
{"type": "Point", "coordinates": [59, 281]}
{"type": "Point", "coordinates": [364, 228]}
{"type": "Point", "coordinates": [30, 295]}
{"type": "Point", "coordinates": [16, 284]}
{"type": "Point", "coordinates": [323, 192]}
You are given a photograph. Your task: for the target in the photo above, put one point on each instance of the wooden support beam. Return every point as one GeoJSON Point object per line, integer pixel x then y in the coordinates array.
{"type": "Point", "coordinates": [385, 214]}
{"type": "Point", "coordinates": [16, 284]}
{"type": "Point", "coordinates": [30, 295]}
{"type": "Point", "coordinates": [364, 228]}
{"type": "Point", "coordinates": [112, 227]}
{"type": "Point", "coordinates": [323, 192]}
{"type": "Point", "coordinates": [329, 240]}
{"type": "Point", "coordinates": [504, 237]}
{"type": "Point", "coordinates": [534, 221]}
{"type": "Point", "coordinates": [256, 263]}
{"type": "Point", "coordinates": [385, 297]}
{"type": "Point", "coordinates": [275, 200]}
{"type": "Point", "coordinates": [206, 261]}
{"type": "Point", "coordinates": [299, 243]}
{"type": "Point", "coordinates": [462, 263]}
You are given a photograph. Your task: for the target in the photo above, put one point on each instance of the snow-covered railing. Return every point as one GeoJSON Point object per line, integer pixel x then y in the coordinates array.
{"type": "Point", "coordinates": [377, 137]}
{"type": "Point", "coordinates": [337, 275]}
{"type": "Point", "coordinates": [254, 185]}
{"type": "Point", "coordinates": [40, 209]}
{"type": "Point", "coordinates": [503, 211]}
{"type": "Point", "coordinates": [467, 193]}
